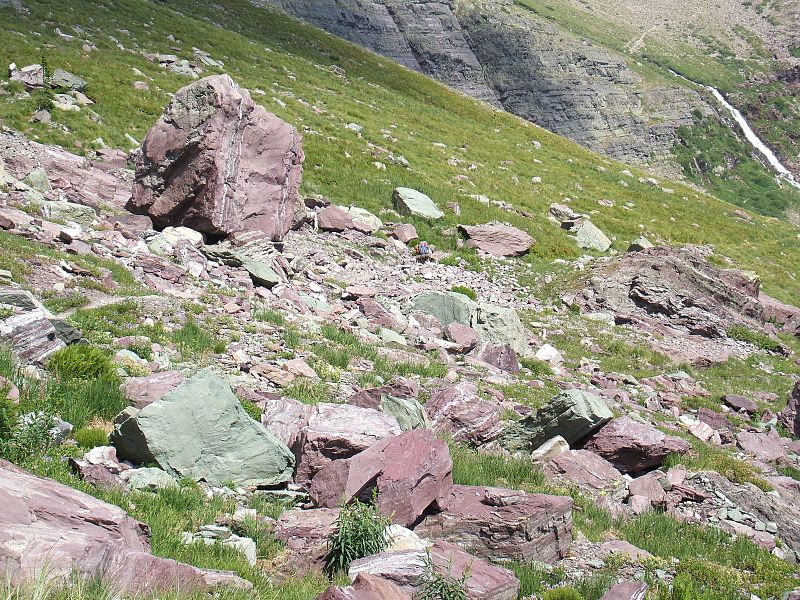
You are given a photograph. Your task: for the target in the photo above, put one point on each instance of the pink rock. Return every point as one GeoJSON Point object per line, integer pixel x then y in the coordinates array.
{"type": "Point", "coordinates": [639, 504]}
{"type": "Point", "coordinates": [142, 391]}
{"type": "Point", "coordinates": [627, 590]}
{"type": "Point", "coordinates": [496, 239]}
{"type": "Point", "coordinates": [585, 469]}
{"type": "Point", "coordinates": [410, 472]}
{"type": "Point", "coordinates": [405, 233]}
{"type": "Point", "coordinates": [459, 412]}
{"type": "Point", "coordinates": [240, 166]}
{"type": "Point", "coordinates": [523, 526]}
{"type": "Point", "coordinates": [501, 357]}
{"type": "Point", "coordinates": [649, 487]}
{"type": "Point", "coordinates": [299, 368]}
{"type": "Point", "coordinates": [377, 314]}
{"type": "Point", "coordinates": [305, 534]}
{"type": "Point", "coordinates": [338, 431]}
{"type": "Point", "coordinates": [53, 531]}
{"type": "Point", "coordinates": [626, 548]}
{"type": "Point", "coordinates": [632, 446]}
{"type": "Point", "coordinates": [366, 587]}
{"type": "Point", "coordinates": [31, 335]}
{"type": "Point", "coordinates": [285, 418]}
{"type": "Point", "coordinates": [333, 218]}
{"type": "Point", "coordinates": [484, 581]}
{"type": "Point", "coordinates": [762, 446]}
{"type": "Point", "coordinates": [714, 420]}
{"type": "Point", "coordinates": [737, 402]}
{"type": "Point", "coordinates": [399, 387]}
{"type": "Point", "coordinates": [465, 338]}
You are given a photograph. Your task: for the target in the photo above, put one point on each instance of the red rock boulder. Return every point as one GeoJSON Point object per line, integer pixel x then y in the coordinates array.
{"type": "Point", "coordinates": [632, 446]}
{"type": "Point", "coordinates": [497, 239]}
{"type": "Point", "coordinates": [411, 473]}
{"type": "Point", "coordinates": [52, 531]}
{"type": "Point", "coordinates": [458, 411]}
{"type": "Point", "coordinates": [497, 523]}
{"type": "Point", "coordinates": [219, 163]}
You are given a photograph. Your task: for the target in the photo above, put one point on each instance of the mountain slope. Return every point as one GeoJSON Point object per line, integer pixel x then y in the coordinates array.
{"type": "Point", "coordinates": [600, 77]}
{"type": "Point", "coordinates": [456, 146]}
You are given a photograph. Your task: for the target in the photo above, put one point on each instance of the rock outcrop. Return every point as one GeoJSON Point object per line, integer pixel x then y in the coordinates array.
{"type": "Point", "coordinates": [49, 531]}
{"type": "Point", "coordinates": [497, 239]}
{"type": "Point", "coordinates": [219, 163]}
{"type": "Point", "coordinates": [677, 295]}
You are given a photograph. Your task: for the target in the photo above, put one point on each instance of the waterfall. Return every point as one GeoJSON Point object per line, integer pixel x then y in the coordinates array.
{"type": "Point", "coordinates": [750, 135]}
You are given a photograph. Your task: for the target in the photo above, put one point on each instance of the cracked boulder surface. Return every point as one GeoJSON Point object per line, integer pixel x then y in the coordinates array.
{"type": "Point", "coordinates": [220, 164]}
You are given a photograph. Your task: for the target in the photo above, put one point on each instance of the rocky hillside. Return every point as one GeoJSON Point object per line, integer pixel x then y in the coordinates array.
{"type": "Point", "coordinates": [280, 318]}
{"type": "Point", "coordinates": [603, 77]}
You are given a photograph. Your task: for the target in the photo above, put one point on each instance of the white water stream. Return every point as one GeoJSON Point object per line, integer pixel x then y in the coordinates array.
{"type": "Point", "coordinates": [750, 135]}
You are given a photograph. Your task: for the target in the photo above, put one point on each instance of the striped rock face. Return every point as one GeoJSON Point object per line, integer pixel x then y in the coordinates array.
{"type": "Point", "coordinates": [219, 163]}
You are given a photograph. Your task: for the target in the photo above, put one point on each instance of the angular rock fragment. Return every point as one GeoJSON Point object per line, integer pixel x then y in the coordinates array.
{"type": "Point", "coordinates": [200, 430]}
{"type": "Point", "coordinates": [411, 202]}
{"type": "Point", "coordinates": [459, 412]}
{"type": "Point", "coordinates": [141, 391]}
{"type": "Point", "coordinates": [338, 431]}
{"type": "Point", "coordinates": [584, 469]}
{"type": "Point", "coordinates": [497, 239]}
{"type": "Point", "coordinates": [409, 473]}
{"type": "Point", "coordinates": [572, 414]}
{"type": "Point", "coordinates": [31, 335]}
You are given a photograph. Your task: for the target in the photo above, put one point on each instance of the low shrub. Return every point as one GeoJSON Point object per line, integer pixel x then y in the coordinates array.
{"type": "Point", "coordinates": [80, 361]}
{"type": "Point", "coordinates": [90, 437]}
{"type": "Point", "coordinates": [563, 593]}
{"type": "Point", "coordinates": [467, 291]}
{"type": "Point", "coordinates": [359, 531]}
{"type": "Point", "coordinates": [434, 585]}
{"type": "Point", "coordinates": [755, 338]}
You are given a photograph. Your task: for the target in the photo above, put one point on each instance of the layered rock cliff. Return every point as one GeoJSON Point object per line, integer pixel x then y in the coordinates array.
{"type": "Point", "coordinates": [505, 55]}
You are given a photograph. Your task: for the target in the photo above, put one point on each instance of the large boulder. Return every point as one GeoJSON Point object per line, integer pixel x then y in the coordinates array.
{"type": "Point", "coordinates": [410, 473]}
{"type": "Point", "coordinates": [406, 568]}
{"type": "Point", "coordinates": [572, 414]}
{"type": "Point", "coordinates": [497, 523]}
{"type": "Point", "coordinates": [632, 446]}
{"type": "Point", "coordinates": [200, 430]}
{"type": "Point", "coordinates": [411, 202]}
{"type": "Point", "coordinates": [219, 163]}
{"type": "Point", "coordinates": [338, 431]}
{"type": "Point", "coordinates": [497, 239]}
{"type": "Point", "coordinates": [50, 532]}
{"type": "Point", "coordinates": [458, 411]}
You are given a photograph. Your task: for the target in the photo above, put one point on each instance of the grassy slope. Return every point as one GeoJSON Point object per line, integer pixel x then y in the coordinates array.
{"type": "Point", "coordinates": [266, 50]}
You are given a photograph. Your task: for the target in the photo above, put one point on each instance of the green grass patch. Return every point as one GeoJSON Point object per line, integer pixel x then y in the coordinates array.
{"type": "Point", "coordinates": [194, 340]}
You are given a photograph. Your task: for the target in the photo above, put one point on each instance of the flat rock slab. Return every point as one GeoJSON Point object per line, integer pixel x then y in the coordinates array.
{"type": "Point", "coordinates": [762, 446]}
{"type": "Point", "coordinates": [366, 587]}
{"type": "Point", "coordinates": [497, 239]}
{"type": "Point", "coordinates": [200, 430]}
{"type": "Point", "coordinates": [627, 590]}
{"type": "Point", "coordinates": [410, 474]}
{"type": "Point", "coordinates": [485, 581]}
{"type": "Point", "coordinates": [411, 202]}
{"type": "Point", "coordinates": [338, 431]}
{"type": "Point", "coordinates": [31, 335]}
{"type": "Point", "coordinates": [498, 523]}
{"type": "Point", "coordinates": [584, 469]}
{"type": "Point", "coordinates": [51, 531]}
{"type": "Point", "coordinates": [632, 446]}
